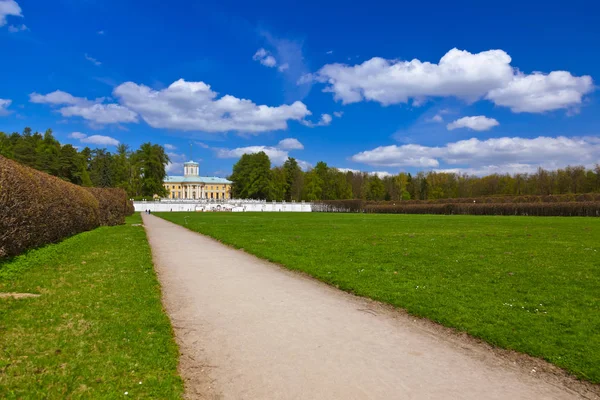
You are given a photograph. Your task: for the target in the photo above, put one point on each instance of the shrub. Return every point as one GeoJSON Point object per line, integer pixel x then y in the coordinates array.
{"type": "Point", "coordinates": [37, 208]}
{"type": "Point", "coordinates": [113, 205]}
{"type": "Point", "coordinates": [571, 209]}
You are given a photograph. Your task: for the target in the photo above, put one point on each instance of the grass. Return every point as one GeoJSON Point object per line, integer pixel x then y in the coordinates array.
{"type": "Point", "coordinates": [530, 284]}
{"type": "Point", "coordinates": [98, 329]}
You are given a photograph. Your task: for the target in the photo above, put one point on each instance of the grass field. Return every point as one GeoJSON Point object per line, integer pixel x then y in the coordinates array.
{"type": "Point", "coordinates": [530, 284]}
{"type": "Point", "coordinates": [97, 330]}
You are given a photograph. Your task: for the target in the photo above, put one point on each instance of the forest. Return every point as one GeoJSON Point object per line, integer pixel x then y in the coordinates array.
{"type": "Point", "coordinates": [253, 177]}
{"type": "Point", "coordinates": [139, 172]}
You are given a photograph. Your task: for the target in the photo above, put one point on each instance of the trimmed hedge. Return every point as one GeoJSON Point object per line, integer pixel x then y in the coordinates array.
{"type": "Point", "coordinates": [37, 208]}
{"type": "Point", "coordinates": [572, 209]}
{"type": "Point", "coordinates": [113, 205]}
{"type": "Point", "coordinates": [579, 206]}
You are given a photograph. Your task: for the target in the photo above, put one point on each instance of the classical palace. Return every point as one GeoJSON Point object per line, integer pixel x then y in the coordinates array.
{"type": "Point", "coordinates": [192, 186]}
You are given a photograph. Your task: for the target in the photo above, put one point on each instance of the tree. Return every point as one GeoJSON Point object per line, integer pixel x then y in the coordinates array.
{"type": "Point", "coordinates": [251, 176]}
{"type": "Point", "coordinates": [152, 160]}
{"type": "Point", "coordinates": [376, 189]}
{"type": "Point", "coordinates": [293, 176]}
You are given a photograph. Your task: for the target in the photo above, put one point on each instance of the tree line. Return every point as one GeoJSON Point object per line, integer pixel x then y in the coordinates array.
{"type": "Point", "coordinates": [139, 172]}
{"type": "Point", "coordinates": [254, 178]}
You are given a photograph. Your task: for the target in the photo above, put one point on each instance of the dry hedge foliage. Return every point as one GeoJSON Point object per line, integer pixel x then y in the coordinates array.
{"type": "Point", "coordinates": [113, 205]}
{"type": "Point", "coordinates": [579, 206]}
{"type": "Point", "coordinates": [37, 208]}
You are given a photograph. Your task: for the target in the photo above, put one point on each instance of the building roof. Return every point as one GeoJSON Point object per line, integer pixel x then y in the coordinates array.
{"type": "Point", "coordinates": [191, 163]}
{"type": "Point", "coordinates": [196, 179]}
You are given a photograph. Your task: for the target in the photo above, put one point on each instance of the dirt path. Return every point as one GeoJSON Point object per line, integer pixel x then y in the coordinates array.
{"type": "Point", "coordinates": [249, 329]}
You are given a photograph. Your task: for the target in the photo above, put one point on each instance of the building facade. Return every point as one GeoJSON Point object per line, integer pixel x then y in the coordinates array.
{"type": "Point", "coordinates": [192, 186]}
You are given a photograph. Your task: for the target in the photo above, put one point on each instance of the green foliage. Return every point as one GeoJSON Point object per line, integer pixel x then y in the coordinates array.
{"type": "Point", "coordinates": [139, 173]}
{"type": "Point", "coordinates": [251, 177]}
{"type": "Point", "coordinates": [520, 283]}
{"type": "Point", "coordinates": [98, 329]}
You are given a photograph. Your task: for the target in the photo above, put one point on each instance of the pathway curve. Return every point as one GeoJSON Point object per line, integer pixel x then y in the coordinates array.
{"type": "Point", "coordinates": [248, 329]}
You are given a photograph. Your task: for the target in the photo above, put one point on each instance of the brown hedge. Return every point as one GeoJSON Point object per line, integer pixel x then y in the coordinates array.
{"type": "Point", "coordinates": [572, 209]}
{"type": "Point", "coordinates": [113, 205]}
{"type": "Point", "coordinates": [37, 208]}
{"type": "Point", "coordinates": [580, 205]}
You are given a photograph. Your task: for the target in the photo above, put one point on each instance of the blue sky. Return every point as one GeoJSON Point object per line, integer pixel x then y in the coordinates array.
{"type": "Point", "coordinates": [377, 86]}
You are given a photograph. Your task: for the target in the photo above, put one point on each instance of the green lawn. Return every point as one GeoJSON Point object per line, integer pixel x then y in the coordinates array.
{"type": "Point", "coordinates": [530, 284]}
{"type": "Point", "coordinates": [98, 329]}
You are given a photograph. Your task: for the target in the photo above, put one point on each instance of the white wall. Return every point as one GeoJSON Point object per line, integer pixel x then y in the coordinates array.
{"type": "Point", "coordinates": [233, 205]}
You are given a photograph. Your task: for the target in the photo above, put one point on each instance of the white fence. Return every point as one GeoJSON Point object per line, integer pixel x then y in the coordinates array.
{"type": "Point", "coordinates": [221, 205]}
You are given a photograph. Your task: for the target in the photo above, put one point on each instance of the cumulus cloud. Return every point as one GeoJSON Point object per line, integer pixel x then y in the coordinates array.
{"type": "Point", "coordinates": [98, 140]}
{"type": "Point", "coordinates": [176, 161]}
{"type": "Point", "coordinates": [194, 106]}
{"type": "Point", "coordinates": [459, 74]}
{"type": "Point", "coordinates": [92, 60]}
{"type": "Point", "coordinates": [290, 144]}
{"type": "Point", "coordinates": [338, 114]}
{"type": "Point", "coordinates": [95, 111]}
{"type": "Point", "coordinates": [478, 123]}
{"type": "Point", "coordinates": [276, 155]}
{"type": "Point", "coordinates": [324, 121]}
{"type": "Point", "coordinates": [9, 7]}
{"type": "Point", "coordinates": [508, 154]}
{"type": "Point", "coordinates": [537, 92]}
{"type": "Point", "coordinates": [4, 104]}
{"type": "Point", "coordinates": [265, 58]}
{"type": "Point", "coordinates": [18, 28]}
{"type": "Point", "coordinates": [169, 146]}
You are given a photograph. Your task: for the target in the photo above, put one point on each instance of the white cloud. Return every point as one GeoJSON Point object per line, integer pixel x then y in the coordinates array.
{"type": "Point", "coordinates": [508, 154]}
{"type": "Point", "coordinates": [100, 113]}
{"type": "Point", "coordinates": [283, 67]}
{"type": "Point", "coordinates": [92, 110]}
{"type": "Point", "coordinates": [265, 58]}
{"type": "Point", "coordinates": [92, 60]}
{"type": "Point", "coordinates": [380, 174]}
{"type": "Point", "coordinates": [99, 140]}
{"type": "Point", "coordinates": [538, 92]}
{"type": "Point", "coordinates": [203, 145]}
{"type": "Point", "coordinates": [9, 7]}
{"type": "Point", "coordinates": [17, 28]}
{"type": "Point", "coordinates": [4, 104]}
{"type": "Point", "coordinates": [338, 114]}
{"type": "Point", "coordinates": [193, 106]}
{"type": "Point", "coordinates": [276, 155]}
{"type": "Point", "coordinates": [437, 118]}
{"type": "Point", "coordinates": [175, 165]}
{"type": "Point", "coordinates": [329, 52]}
{"type": "Point", "coordinates": [290, 144]}
{"type": "Point", "coordinates": [77, 135]}
{"type": "Point", "coordinates": [459, 74]}
{"type": "Point", "coordinates": [477, 123]}
{"type": "Point", "coordinates": [304, 165]}
{"type": "Point", "coordinates": [324, 121]}
{"type": "Point", "coordinates": [169, 146]}
{"type": "Point", "coordinates": [345, 170]}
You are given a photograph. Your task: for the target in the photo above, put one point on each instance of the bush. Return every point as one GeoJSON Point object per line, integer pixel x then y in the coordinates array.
{"type": "Point", "coordinates": [571, 209]}
{"type": "Point", "coordinates": [113, 205]}
{"type": "Point", "coordinates": [37, 208]}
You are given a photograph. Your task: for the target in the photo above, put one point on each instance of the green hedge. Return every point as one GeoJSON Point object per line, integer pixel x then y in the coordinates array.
{"type": "Point", "coordinates": [37, 208]}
